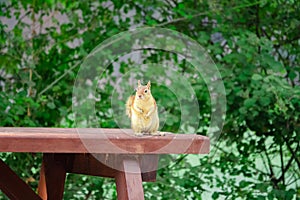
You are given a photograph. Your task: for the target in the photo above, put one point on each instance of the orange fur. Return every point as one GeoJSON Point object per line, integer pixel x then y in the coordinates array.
{"type": "Point", "coordinates": [142, 110]}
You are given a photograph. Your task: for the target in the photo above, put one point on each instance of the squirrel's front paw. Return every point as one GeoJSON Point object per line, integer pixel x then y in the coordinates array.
{"type": "Point", "coordinates": [138, 134]}
{"type": "Point", "coordinates": [158, 133]}
{"type": "Point", "coordinates": [140, 110]}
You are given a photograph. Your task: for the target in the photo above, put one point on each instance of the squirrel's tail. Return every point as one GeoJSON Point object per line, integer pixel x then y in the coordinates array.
{"type": "Point", "coordinates": [129, 103]}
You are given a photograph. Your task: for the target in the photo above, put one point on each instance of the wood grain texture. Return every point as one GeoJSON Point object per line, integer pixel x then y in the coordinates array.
{"type": "Point", "coordinates": [13, 186]}
{"type": "Point", "coordinates": [93, 140]}
{"type": "Point", "coordinates": [108, 165]}
{"type": "Point", "coordinates": [129, 181]}
{"type": "Point", "coordinates": [42, 190]}
{"type": "Point", "coordinates": [53, 175]}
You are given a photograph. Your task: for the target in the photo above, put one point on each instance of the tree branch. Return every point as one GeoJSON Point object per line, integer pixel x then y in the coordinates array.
{"type": "Point", "coordinates": [285, 169]}
{"type": "Point", "coordinates": [257, 26]}
{"type": "Point", "coordinates": [282, 165]}
{"type": "Point", "coordinates": [293, 152]}
{"type": "Point", "coordinates": [272, 175]}
{"type": "Point", "coordinates": [181, 19]}
{"type": "Point", "coordinates": [204, 13]}
{"type": "Point", "coordinates": [289, 145]}
{"type": "Point", "coordinates": [58, 79]}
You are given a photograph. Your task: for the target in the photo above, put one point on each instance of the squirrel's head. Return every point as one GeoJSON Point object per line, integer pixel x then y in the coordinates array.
{"type": "Point", "coordinates": [143, 92]}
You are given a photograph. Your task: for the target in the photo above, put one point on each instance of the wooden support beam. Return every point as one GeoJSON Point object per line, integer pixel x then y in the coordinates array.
{"type": "Point", "coordinates": [14, 187]}
{"type": "Point", "coordinates": [129, 181]}
{"type": "Point", "coordinates": [89, 165]}
{"type": "Point", "coordinates": [42, 190]}
{"type": "Point", "coordinates": [52, 178]}
{"type": "Point", "coordinates": [107, 165]}
{"type": "Point", "coordinates": [128, 170]}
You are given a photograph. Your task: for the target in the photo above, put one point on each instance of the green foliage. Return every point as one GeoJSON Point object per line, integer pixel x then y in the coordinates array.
{"type": "Point", "coordinates": [254, 44]}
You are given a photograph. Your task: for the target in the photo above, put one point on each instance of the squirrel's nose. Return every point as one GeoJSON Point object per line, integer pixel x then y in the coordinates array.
{"type": "Point", "coordinates": [140, 96]}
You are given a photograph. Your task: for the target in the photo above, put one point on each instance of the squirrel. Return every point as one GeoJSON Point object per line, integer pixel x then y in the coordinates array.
{"type": "Point", "coordinates": [141, 108]}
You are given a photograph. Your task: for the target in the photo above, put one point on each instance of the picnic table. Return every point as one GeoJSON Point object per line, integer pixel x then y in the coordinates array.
{"type": "Point", "coordinates": [112, 153]}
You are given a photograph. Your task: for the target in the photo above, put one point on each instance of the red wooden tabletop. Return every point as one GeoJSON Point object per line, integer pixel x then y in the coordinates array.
{"type": "Point", "coordinates": [98, 140]}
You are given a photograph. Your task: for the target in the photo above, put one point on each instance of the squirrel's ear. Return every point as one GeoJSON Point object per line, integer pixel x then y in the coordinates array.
{"type": "Point", "coordinates": [139, 83]}
{"type": "Point", "coordinates": [149, 84]}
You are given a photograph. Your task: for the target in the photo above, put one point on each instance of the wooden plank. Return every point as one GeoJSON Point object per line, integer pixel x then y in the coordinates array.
{"type": "Point", "coordinates": [14, 187]}
{"type": "Point", "coordinates": [87, 164]}
{"type": "Point", "coordinates": [129, 181]}
{"type": "Point", "coordinates": [108, 165]}
{"type": "Point", "coordinates": [53, 175]}
{"type": "Point", "coordinates": [149, 165]}
{"type": "Point", "coordinates": [94, 140]}
{"type": "Point", "coordinates": [42, 189]}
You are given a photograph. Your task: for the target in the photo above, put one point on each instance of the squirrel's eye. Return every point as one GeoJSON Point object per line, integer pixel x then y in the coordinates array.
{"type": "Point", "coordinates": [146, 91]}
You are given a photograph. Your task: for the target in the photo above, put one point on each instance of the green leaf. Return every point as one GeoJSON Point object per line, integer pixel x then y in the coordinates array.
{"type": "Point", "coordinates": [215, 195]}
{"type": "Point", "coordinates": [249, 102]}
{"type": "Point", "coordinates": [51, 105]}
{"type": "Point", "coordinates": [256, 77]}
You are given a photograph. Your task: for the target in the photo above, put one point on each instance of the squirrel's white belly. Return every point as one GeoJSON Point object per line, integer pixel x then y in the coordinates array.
{"type": "Point", "coordinates": [143, 124]}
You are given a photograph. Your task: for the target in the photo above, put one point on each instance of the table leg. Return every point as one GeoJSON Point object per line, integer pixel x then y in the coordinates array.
{"type": "Point", "coordinates": [129, 181]}
{"type": "Point", "coordinates": [13, 186]}
{"type": "Point", "coordinates": [52, 178]}
{"type": "Point", "coordinates": [149, 164]}
{"type": "Point", "coordinates": [42, 190]}
{"type": "Point", "coordinates": [135, 169]}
